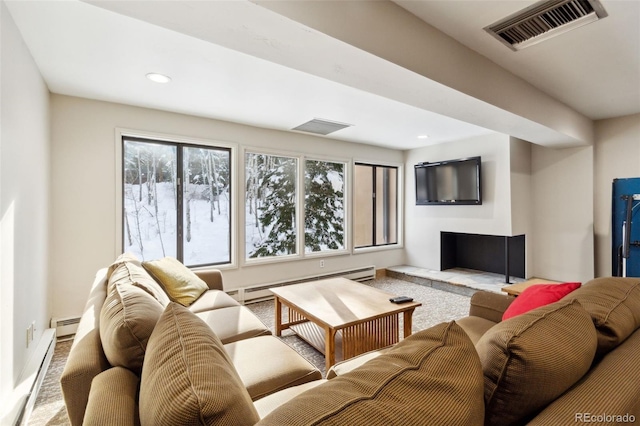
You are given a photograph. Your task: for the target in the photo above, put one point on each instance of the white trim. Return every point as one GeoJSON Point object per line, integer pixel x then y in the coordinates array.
{"type": "Point", "coordinates": [163, 137]}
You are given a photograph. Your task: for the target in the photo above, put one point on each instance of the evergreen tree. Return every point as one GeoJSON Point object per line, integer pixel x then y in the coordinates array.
{"type": "Point", "coordinates": [277, 212]}
{"type": "Point", "coordinates": [324, 206]}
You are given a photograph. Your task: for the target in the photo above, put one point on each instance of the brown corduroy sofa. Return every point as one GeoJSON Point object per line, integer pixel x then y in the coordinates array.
{"type": "Point", "coordinates": [570, 362]}
{"type": "Point", "coordinates": [122, 310]}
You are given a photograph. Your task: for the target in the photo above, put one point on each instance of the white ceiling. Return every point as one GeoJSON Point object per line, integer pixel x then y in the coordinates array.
{"type": "Point", "coordinates": [237, 61]}
{"type": "Point", "coordinates": [595, 69]}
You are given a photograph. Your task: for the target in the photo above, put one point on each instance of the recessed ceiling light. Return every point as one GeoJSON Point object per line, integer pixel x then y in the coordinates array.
{"type": "Point", "coordinates": [158, 78]}
{"type": "Point", "coordinates": [423, 137]}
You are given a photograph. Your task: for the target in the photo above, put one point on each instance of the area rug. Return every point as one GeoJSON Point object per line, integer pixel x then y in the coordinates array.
{"type": "Point", "coordinates": [437, 306]}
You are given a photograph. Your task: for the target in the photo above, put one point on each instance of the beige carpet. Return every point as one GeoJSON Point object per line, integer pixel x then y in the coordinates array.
{"type": "Point", "coordinates": [437, 306]}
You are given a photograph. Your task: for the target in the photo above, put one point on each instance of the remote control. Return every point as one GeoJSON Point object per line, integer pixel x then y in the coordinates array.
{"type": "Point", "coordinates": [401, 299]}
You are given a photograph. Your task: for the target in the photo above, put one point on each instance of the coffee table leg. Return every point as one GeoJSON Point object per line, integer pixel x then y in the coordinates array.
{"type": "Point", "coordinates": [329, 346]}
{"type": "Point", "coordinates": [278, 309]}
{"type": "Point", "coordinates": [408, 317]}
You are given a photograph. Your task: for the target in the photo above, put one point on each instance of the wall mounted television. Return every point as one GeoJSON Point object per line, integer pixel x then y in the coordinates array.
{"type": "Point", "coordinates": [452, 182]}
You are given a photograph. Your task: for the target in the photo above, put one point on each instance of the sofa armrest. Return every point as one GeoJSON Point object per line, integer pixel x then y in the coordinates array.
{"type": "Point", "coordinates": [113, 398]}
{"type": "Point", "coordinates": [86, 358]}
{"type": "Point", "coordinates": [489, 305]}
{"type": "Point", "coordinates": [213, 278]}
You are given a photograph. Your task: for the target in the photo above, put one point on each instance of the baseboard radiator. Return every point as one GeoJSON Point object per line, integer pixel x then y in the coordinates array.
{"type": "Point", "coordinates": [65, 326]}
{"type": "Point", "coordinates": [260, 293]}
{"type": "Point", "coordinates": [26, 392]}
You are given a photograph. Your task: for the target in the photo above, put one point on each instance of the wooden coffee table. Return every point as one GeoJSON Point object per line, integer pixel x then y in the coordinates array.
{"type": "Point", "coordinates": [341, 318]}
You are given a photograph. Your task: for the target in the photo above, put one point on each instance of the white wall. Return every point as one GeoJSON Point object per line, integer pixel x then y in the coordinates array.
{"type": "Point", "coordinates": [83, 191]}
{"type": "Point", "coordinates": [617, 155]}
{"type": "Point", "coordinates": [24, 201]}
{"type": "Point", "coordinates": [423, 224]}
{"type": "Point", "coordinates": [521, 194]}
{"type": "Point", "coordinates": [562, 213]}
{"type": "Point", "coordinates": [544, 193]}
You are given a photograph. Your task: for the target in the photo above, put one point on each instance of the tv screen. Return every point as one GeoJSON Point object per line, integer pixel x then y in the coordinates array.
{"type": "Point", "coordinates": [449, 182]}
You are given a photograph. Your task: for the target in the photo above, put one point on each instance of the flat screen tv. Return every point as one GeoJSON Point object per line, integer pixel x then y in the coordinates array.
{"type": "Point", "coordinates": [452, 182]}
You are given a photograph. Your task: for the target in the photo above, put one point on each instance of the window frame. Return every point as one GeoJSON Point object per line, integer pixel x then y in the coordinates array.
{"type": "Point", "coordinates": [300, 186]}
{"type": "Point", "coordinates": [183, 141]}
{"type": "Point", "coordinates": [346, 249]}
{"type": "Point", "coordinates": [399, 208]}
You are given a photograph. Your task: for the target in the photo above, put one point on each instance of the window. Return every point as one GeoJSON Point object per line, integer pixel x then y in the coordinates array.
{"type": "Point", "coordinates": [375, 205]}
{"type": "Point", "coordinates": [176, 201]}
{"type": "Point", "coordinates": [324, 214]}
{"type": "Point", "coordinates": [270, 205]}
{"type": "Point", "coordinates": [273, 199]}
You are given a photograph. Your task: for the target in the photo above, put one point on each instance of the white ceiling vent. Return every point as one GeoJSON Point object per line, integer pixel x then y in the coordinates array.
{"type": "Point", "coordinates": [321, 127]}
{"type": "Point", "coordinates": [544, 20]}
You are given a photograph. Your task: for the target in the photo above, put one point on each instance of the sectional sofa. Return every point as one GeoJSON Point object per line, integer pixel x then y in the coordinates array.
{"type": "Point", "coordinates": [124, 305]}
{"type": "Point", "coordinates": [208, 360]}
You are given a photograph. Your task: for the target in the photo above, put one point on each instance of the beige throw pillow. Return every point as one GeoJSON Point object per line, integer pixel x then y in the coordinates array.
{"type": "Point", "coordinates": [533, 358]}
{"type": "Point", "coordinates": [180, 283]}
{"type": "Point", "coordinates": [188, 377]}
{"type": "Point", "coordinates": [433, 377]}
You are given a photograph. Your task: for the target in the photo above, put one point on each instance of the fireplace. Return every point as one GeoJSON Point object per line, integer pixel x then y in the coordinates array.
{"type": "Point", "coordinates": [488, 253]}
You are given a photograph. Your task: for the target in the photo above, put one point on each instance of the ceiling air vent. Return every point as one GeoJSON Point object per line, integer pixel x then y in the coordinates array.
{"type": "Point", "coordinates": [544, 20]}
{"type": "Point", "coordinates": [321, 127]}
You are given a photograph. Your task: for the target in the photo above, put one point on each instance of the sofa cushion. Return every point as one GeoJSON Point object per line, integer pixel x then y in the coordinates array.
{"type": "Point", "coordinates": [538, 295]}
{"type": "Point", "coordinates": [234, 323]}
{"type": "Point", "coordinates": [432, 377]}
{"type": "Point", "coordinates": [127, 318]}
{"type": "Point", "coordinates": [188, 378]}
{"type": "Point", "coordinates": [267, 365]}
{"type": "Point", "coordinates": [609, 388]}
{"type": "Point", "coordinates": [124, 257]}
{"type": "Point", "coordinates": [614, 306]}
{"type": "Point", "coordinates": [212, 299]}
{"type": "Point", "coordinates": [270, 402]}
{"type": "Point", "coordinates": [180, 283]}
{"type": "Point", "coordinates": [531, 359]}
{"type": "Point", "coordinates": [132, 273]}
{"type": "Point", "coordinates": [343, 367]}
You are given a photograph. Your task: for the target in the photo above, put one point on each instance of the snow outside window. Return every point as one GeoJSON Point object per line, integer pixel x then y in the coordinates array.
{"type": "Point", "coordinates": [188, 217]}
{"type": "Point", "coordinates": [270, 205]}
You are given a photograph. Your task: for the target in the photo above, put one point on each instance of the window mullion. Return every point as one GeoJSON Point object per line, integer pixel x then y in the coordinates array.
{"type": "Point", "coordinates": [179, 203]}
{"type": "Point", "coordinates": [374, 171]}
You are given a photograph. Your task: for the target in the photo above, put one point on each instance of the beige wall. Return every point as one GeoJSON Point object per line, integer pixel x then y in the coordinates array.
{"type": "Point", "coordinates": [617, 155]}
{"type": "Point", "coordinates": [84, 194]}
{"type": "Point", "coordinates": [521, 194]}
{"type": "Point", "coordinates": [423, 224]}
{"type": "Point", "coordinates": [562, 213]}
{"type": "Point", "coordinates": [24, 208]}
